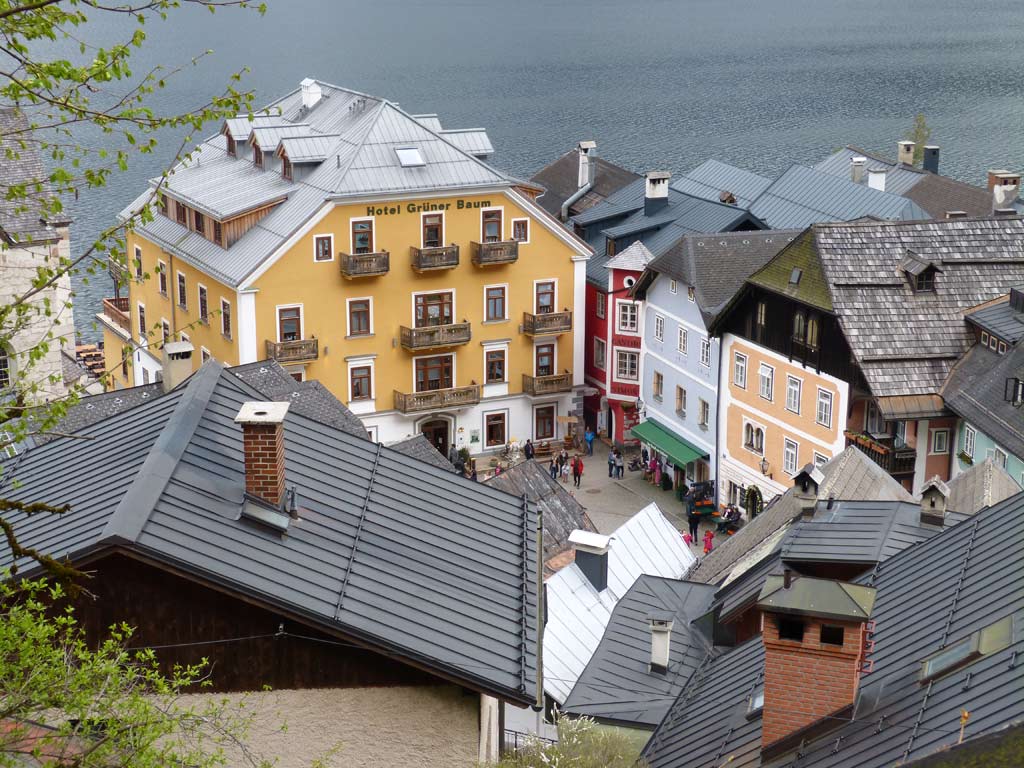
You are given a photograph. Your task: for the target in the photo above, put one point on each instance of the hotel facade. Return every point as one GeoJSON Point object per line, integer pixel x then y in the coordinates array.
{"type": "Point", "coordinates": [368, 249]}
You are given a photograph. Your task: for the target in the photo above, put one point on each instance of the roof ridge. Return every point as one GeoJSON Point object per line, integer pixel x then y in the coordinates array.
{"type": "Point", "coordinates": [136, 504]}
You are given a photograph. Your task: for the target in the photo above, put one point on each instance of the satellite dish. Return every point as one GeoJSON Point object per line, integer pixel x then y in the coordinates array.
{"type": "Point", "coordinates": [1004, 194]}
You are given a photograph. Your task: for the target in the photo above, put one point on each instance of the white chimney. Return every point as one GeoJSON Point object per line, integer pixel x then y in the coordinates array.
{"type": "Point", "coordinates": [310, 93]}
{"type": "Point", "coordinates": [857, 166]}
{"type": "Point", "coordinates": [591, 556]}
{"type": "Point", "coordinates": [876, 179]}
{"type": "Point", "coordinates": [176, 363]}
{"type": "Point", "coordinates": [656, 191]}
{"type": "Point", "coordinates": [661, 641]}
{"type": "Point", "coordinates": [905, 152]}
{"type": "Point", "coordinates": [586, 150]}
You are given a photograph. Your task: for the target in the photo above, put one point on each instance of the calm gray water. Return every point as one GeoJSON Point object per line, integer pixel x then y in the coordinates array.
{"type": "Point", "coordinates": [657, 83]}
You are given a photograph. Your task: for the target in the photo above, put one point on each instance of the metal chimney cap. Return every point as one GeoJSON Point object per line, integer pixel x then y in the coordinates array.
{"type": "Point", "coordinates": [256, 412]}
{"type": "Point", "coordinates": [658, 175]}
{"type": "Point", "coordinates": [178, 349]}
{"type": "Point", "coordinates": [858, 160]}
{"type": "Point", "coordinates": [587, 145]}
{"type": "Point", "coordinates": [589, 542]}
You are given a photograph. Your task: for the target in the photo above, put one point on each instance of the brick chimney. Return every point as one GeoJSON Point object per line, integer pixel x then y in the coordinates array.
{"type": "Point", "coordinates": [176, 363]}
{"type": "Point", "coordinates": [656, 191]}
{"type": "Point", "coordinates": [592, 556]}
{"type": "Point", "coordinates": [263, 448]}
{"type": "Point", "coordinates": [814, 647]}
{"type": "Point", "coordinates": [905, 152]}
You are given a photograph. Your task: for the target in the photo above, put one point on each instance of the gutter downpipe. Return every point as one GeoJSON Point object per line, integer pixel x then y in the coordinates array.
{"type": "Point", "coordinates": [541, 622]}
{"type": "Point", "coordinates": [564, 213]}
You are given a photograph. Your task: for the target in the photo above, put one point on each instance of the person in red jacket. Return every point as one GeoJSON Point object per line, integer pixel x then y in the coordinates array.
{"type": "Point", "coordinates": [577, 470]}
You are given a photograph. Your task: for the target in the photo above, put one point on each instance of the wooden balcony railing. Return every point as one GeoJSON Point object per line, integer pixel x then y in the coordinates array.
{"type": "Point", "coordinates": [364, 264]}
{"type": "Point", "coordinates": [118, 310]}
{"type": "Point", "coordinates": [894, 460]}
{"type": "Point", "coordinates": [118, 272]}
{"type": "Point", "coordinates": [293, 351]}
{"type": "Point", "coordinates": [436, 399]}
{"type": "Point", "coordinates": [433, 336]}
{"type": "Point", "coordinates": [426, 259]}
{"type": "Point", "coordinates": [547, 385]}
{"type": "Point", "coordinates": [546, 323]}
{"type": "Point", "coordinates": [506, 252]}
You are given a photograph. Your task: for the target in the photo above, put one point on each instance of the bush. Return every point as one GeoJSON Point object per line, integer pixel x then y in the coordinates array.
{"type": "Point", "coordinates": [582, 743]}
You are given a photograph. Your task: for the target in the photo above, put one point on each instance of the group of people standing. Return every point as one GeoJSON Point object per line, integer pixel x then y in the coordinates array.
{"type": "Point", "coordinates": [616, 464]}
{"type": "Point", "coordinates": [561, 466]}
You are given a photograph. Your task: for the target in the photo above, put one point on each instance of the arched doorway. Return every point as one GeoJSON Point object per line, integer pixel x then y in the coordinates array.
{"type": "Point", "coordinates": [436, 431]}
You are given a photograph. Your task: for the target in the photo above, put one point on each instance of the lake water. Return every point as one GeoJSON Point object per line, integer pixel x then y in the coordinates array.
{"type": "Point", "coordinates": [659, 84]}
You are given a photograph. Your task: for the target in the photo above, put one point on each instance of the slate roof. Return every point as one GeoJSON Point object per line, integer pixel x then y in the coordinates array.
{"type": "Point", "coordinates": [577, 614]}
{"type": "Point", "coordinates": [905, 342]}
{"type": "Point", "coordinates": [560, 512]}
{"type": "Point", "coordinates": [850, 475]}
{"type": "Point", "coordinates": [717, 265]}
{"type": "Point", "coordinates": [975, 391]}
{"type": "Point", "coordinates": [1000, 318]}
{"type": "Point", "coordinates": [712, 177]}
{"type": "Point", "coordinates": [399, 556]}
{"type": "Point", "coordinates": [419, 447]}
{"type": "Point", "coordinates": [980, 486]}
{"type": "Point", "coordinates": [560, 178]}
{"type": "Point", "coordinates": [618, 685]}
{"type": "Point", "coordinates": [21, 220]}
{"type": "Point", "coordinates": [928, 596]}
{"type": "Point", "coordinates": [636, 257]}
{"type": "Point", "coordinates": [361, 161]}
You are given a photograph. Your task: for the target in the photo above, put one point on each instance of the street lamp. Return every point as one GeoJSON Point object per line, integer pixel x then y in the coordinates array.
{"type": "Point", "coordinates": [764, 466]}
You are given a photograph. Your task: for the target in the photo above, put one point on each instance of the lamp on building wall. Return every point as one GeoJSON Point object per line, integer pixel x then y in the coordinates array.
{"type": "Point", "coordinates": [764, 466]}
{"type": "Point", "coordinates": [639, 405]}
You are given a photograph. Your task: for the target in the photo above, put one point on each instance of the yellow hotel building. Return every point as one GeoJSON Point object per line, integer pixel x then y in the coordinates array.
{"type": "Point", "coordinates": [368, 249]}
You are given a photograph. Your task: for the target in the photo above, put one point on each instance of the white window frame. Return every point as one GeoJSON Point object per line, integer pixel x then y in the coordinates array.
{"type": "Point", "coordinates": [739, 363]}
{"type": "Point", "coordinates": [790, 467]}
{"type": "Point", "coordinates": [161, 268]}
{"type": "Point", "coordinates": [970, 440]}
{"type": "Point", "coordinates": [554, 304]}
{"type": "Point", "coordinates": [455, 367]}
{"type": "Point", "coordinates": [770, 378]}
{"type": "Point", "coordinates": [204, 355]}
{"type": "Point", "coordinates": [277, 320]}
{"type": "Point", "coordinates": [691, 293]}
{"type": "Point", "coordinates": [933, 440]}
{"type": "Point", "coordinates": [412, 305]}
{"type": "Point", "coordinates": [200, 290]}
{"type": "Point", "coordinates": [351, 237]}
{"type": "Point", "coordinates": [817, 408]}
{"type": "Point", "coordinates": [328, 235]}
{"type": "Point", "coordinates": [603, 364]}
{"type": "Point", "coordinates": [507, 293]}
{"type": "Point", "coordinates": [554, 421]}
{"type": "Point", "coordinates": [348, 317]}
{"type": "Point", "coordinates": [444, 226]}
{"type": "Point", "coordinates": [754, 426]}
{"type": "Point", "coordinates": [659, 327]}
{"type": "Point", "coordinates": [140, 327]}
{"type": "Point", "coordinates": [705, 352]}
{"type": "Point", "coordinates": [367, 361]}
{"type": "Point", "coordinates": [601, 304]}
{"type": "Point", "coordinates": [682, 340]}
{"type": "Point", "coordinates": [501, 239]}
{"type": "Point", "coordinates": [541, 342]}
{"type": "Point", "coordinates": [996, 453]}
{"type": "Point", "coordinates": [673, 286]}
{"type": "Point", "coordinates": [508, 428]}
{"type": "Point", "coordinates": [178, 277]}
{"type": "Point", "coordinates": [512, 229]}
{"type": "Point", "coordinates": [615, 373]}
{"type": "Point", "coordinates": [371, 433]}
{"type": "Point", "coordinates": [790, 381]}
{"type": "Point", "coordinates": [703, 419]}
{"type": "Point", "coordinates": [499, 346]}
{"type": "Point", "coordinates": [681, 411]}
{"type": "Point", "coordinates": [984, 338]}
{"type": "Point", "coordinates": [224, 301]}
{"type": "Point", "coordinates": [621, 304]}
{"type": "Point", "coordinates": [820, 459]}
{"type": "Point", "coordinates": [138, 270]}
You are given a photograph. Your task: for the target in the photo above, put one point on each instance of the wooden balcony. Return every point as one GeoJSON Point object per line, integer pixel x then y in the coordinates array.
{"type": "Point", "coordinates": [293, 351]}
{"type": "Point", "coordinates": [547, 323]}
{"type": "Point", "coordinates": [118, 271]}
{"type": "Point", "coordinates": [896, 460]}
{"type": "Point", "coordinates": [364, 264]}
{"type": "Point", "coordinates": [428, 259]}
{"type": "Point", "coordinates": [436, 399]}
{"type": "Point", "coordinates": [485, 254]}
{"type": "Point", "coordinates": [118, 311]}
{"type": "Point", "coordinates": [547, 385]}
{"type": "Point", "coordinates": [434, 336]}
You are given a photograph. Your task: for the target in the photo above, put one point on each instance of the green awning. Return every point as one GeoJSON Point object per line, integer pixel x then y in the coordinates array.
{"type": "Point", "coordinates": [678, 450]}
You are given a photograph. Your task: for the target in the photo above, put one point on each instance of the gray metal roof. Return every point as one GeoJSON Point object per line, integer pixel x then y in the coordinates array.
{"type": "Point", "coordinates": [398, 555]}
{"type": "Point", "coordinates": [308, 149]}
{"type": "Point", "coordinates": [803, 196]}
{"type": "Point", "coordinates": [419, 447]}
{"type": "Point", "coordinates": [928, 596]}
{"type": "Point", "coordinates": [475, 141]}
{"type": "Point", "coordinates": [899, 178]}
{"type": "Point", "coordinates": [622, 201]}
{"type": "Point", "coordinates": [984, 484]}
{"type": "Point", "coordinates": [560, 512]}
{"type": "Point", "coordinates": [21, 220]}
{"type": "Point", "coordinates": [906, 342]}
{"type": "Point", "coordinates": [712, 177]}
{"type": "Point", "coordinates": [1001, 319]}
{"type": "Point", "coordinates": [361, 162]}
{"type": "Point", "coordinates": [975, 391]}
{"type": "Point", "coordinates": [618, 684]}
{"type": "Point", "coordinates": [560, 181]}
{"type": "Point", "coordinates": [850, 475]}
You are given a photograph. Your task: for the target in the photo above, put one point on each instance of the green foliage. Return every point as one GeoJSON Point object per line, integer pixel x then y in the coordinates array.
{"type": "Point", "coordinates": [919, 134]}
{"type": "Point", "coordinates": [754, 502]}
{"type": "Point", "coordinates": [582, 743]}
{"type": "Point", "coordinates": [68, 703]}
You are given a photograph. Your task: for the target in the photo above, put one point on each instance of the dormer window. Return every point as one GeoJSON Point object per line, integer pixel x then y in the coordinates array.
{"type": "Point", "coordinates": [919, 273]}
{"type": "Point", "coordinates": [230, 147]}
{"type": "Point", "coordinates": [925, 281]}
{"type": "Point", "coordinates": [286, 167]}
{"type": "Point", "coordinates": [257, 155]}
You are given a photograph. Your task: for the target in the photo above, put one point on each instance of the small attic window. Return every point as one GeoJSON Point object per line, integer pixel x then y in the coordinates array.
{"type": "Point", "coordinates": [231, 149]}
{"type": "Point", "coordinates": [795, 275]}
{"type": "Point", "coordinates": [409, 157]}
{"type": "Point", "coordinates": [755, 703]}
{"type": "Point", "coordinates": [995, 637]}
{"type": "Point", "coordinates": [925, 281]}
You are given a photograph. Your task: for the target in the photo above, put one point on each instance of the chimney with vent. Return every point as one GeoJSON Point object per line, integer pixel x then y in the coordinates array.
{"type": "Point", "coordinates": [656, 191]}
{"type": "Point", "coordinates": [876, 179]}
{"type": "Point", "coordinates": [661, 640]}
{"type": "Point", "coordinates": [905, 152]}
{"type": "Point", "coordinates": [263, 449]}
{"type": "Point", "coordinates": [177, 363]}
{"type": "Point", "coordinates": [814, 636]}
{"type": "Point", "coordinates": [586, 151]}
{"type": "Point", "coordinates": [311, 93]}
{"type": "Point", "coordinates": [931, 158]}
{"type": "Point", "coordinates": [933, 502]}
{"type": "Point", "coordinates": [592, 556]}
{"type": "Point", "coordinates": [857, 166]}
{"type": "Point", "coordinates": [806, 483]}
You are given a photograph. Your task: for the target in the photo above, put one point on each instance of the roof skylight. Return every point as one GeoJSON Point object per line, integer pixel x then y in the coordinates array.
{"type": "Point", "coordinates": [409, 157]}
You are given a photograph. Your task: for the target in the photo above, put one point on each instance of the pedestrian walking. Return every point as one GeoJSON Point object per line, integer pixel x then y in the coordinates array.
{"type": "Point", "coordinates": [553, 468]}
{"type": "Point", "coordinates": [709, 536]}
{"type": "Point", "coordinates": [694, 523]}
{"type": "Point", "coordinates": [611, 462]}
{"type": "Point", "coordinates": [589, 437]}
{"type": "Point", "coordinates": [577, 470]}
{"type": "Point", "coordinates": [528, 450]}
{"type": "Point", "coordinates": [620, 465]}
{"type": "Point", "coordinates": [565, 472]}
